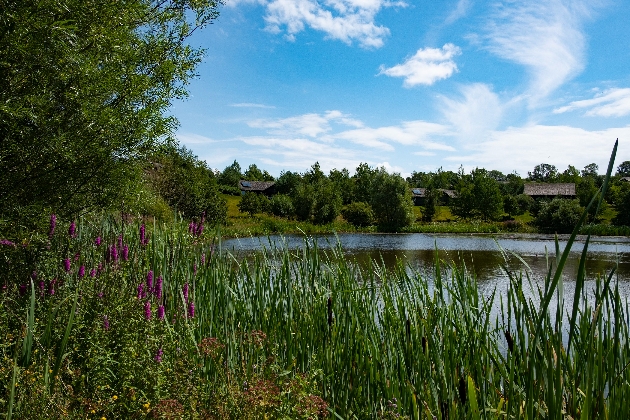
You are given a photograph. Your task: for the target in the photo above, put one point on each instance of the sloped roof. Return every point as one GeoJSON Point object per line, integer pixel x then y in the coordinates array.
{"type": "Point", "coordinates": [625, 178]}
{"type": "Point", "coordinates": [245, 185]}
{"type": "Point", "coordinates": [549, 189]}
{"type": "Point", "coordinates": [420, 192]}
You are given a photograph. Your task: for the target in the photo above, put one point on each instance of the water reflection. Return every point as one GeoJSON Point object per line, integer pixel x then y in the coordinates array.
{"type": "Point", "coordinates": [480, 254]}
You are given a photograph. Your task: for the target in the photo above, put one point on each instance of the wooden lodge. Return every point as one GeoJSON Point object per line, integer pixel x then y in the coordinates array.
{"type": "Point", "coordinates": [259, 187]}
{"type": "Point", "coordinates": [544, 190]}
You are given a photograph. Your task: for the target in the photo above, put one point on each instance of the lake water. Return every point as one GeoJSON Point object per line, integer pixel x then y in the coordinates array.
{"type": "Point", "coordinates": [480, 253]}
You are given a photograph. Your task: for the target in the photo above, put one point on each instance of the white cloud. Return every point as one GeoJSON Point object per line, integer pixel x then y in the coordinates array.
{"type": "Point", "coordinates": [610, 103]}
{"type": "Point", "coordinates": [409, 133]}
{"type": "Point", "coordinates": [190, 138]}
{"type": "Point", "coordinates": [345, 20]}
{"type": "Point", "coordinates": [426, 66]}
{"type": "Point", "coordinates": [312, 125]}
{"type": "Point", "coordinates": [478, 112]}
{"type": "Point", "coordinates": [252, 105]}
{"type": "Point", "coordinates": [522, 148]}
{"type": "Point", "coordinates": [460, 11]}
{"type": "Point", "coordinates": [544, 36]}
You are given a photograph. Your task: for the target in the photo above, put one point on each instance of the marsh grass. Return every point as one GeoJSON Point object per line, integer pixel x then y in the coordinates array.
{"type": "Point", "coordinates": [295, 334]}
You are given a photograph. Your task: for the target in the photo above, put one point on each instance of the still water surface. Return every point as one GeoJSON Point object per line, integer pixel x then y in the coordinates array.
{"type": "Point", "coordinates": [480, 253]}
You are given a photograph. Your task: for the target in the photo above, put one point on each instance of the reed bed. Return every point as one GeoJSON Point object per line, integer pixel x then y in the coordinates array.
{"type": "Point", "coordinates": [123, 320]}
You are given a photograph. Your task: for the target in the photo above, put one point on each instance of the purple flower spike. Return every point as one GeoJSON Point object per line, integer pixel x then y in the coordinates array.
{"type": "Point", "coordinates": [105, 323]}
{"type": "Point", "coordinates": [51, 287]}
{"type": "Point", "coordinates": [42, 285]}
{"type": "Point", "coordinates": [195, 269]}
{"type": "Point", "coordinates": [143, 235]}
{"type": "Point", "coordinates": [125, 253]}
{"type": "Point", "coordinates": [141, 294]}
{"type": "Point", "coordinates": [66, 264]}
{"type": "Point", "coordinates": [158, 356]}
{"type": "Point", "coordinates": [6, 242]}
{"type": "Point", "coordinates": [191, 310]}
{"type": "Point", "coordinates": [150, 281]}
{"type": "Point", "coordinates": [147, 310]}
{"type": "Point", "coordinates": [192, 227]}
{"type": "Point", "coordinates": [186, 292]}
{"type": "Point", "coordinates": [77, 256]}
{"type": "Point", "coordinates": [158, 287]}
{"type": "Point", "coordinates": [203, 259]}
{"type": "Point", "coordinates": [93, 273]}
{"type": "Point", "coordinates": [98, 241]}
{"type": "Point", "coordinates": [81, 271]}
{"type": "Point", "coordinates": [72, 230]}
{"type": "Point", "coordinates": [53, 223]}
{"type": "Point", "coordinates": [160, 312]}
{"type": "Point", "coordinates": [22, 289]}
{"type": "Point", "coordinates": [199, 229]}
{"type": "Point", "coordinates": [113, 253]}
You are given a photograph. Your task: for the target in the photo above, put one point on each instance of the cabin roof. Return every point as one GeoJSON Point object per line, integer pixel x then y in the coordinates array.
{"type": "Point", "coordinates": [245, 185]}
{"type": "Point", "coordinates": [549, 189]}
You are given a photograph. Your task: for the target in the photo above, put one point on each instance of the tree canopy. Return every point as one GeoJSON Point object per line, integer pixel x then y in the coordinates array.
{"type": "Point", "coordinates": [83, 93]}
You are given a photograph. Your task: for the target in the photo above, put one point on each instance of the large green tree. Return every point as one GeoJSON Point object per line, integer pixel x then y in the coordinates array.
{"type": "Point", "coordinates": [478, 195]}
{"type": "Point", "coordinates": [390, 199]}
{"type": "Point", "coordinates": [84, 88]}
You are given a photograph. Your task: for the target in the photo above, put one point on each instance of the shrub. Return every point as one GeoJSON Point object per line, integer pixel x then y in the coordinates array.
{"type": "Point", "coordinates": [281, 205]}
{"type": "Point", "coordinates": [558, 215]}
{"type": "Point", "coordinates": [358, 213]}
{"type": "Point", "coordinates": [253, 203]}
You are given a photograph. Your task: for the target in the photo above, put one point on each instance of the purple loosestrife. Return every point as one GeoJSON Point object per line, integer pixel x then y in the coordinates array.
{"type": "Point", "coordinates": [191, 310]}
{"type": "Point", "coordinates": [93, 273]}
{"type": "Point", "coordinates": [158, 356]}
{"type": "Point", "coordinates": [113, 254]}
{"type": "Point", "coordinates": [6, 242]}
{"type": "Point", "coordinates": [160, 312]}
{"type": "Point", "coordinates": [192, 227]}
{"type": "Point", "coordinates": [150, 281]}
{"type": "Point", "coordinates": [53, 223]}
{"type": "Point", "coordinates": [67, 264]}
{"type": "Point", "coordinates": [98, 241]}
{"type": "Point", "coordinates": [51, 287]}
{"type": "Point", "coordinates": [185, 290]}
{"type": "Point", "coordinates": [203, 259]}
{"type": "Point", "coordinates": [22, 289]}
{"type": "Point", "coordinates": [42, 286]}
{"type": "Point", "coordinates": [199, 230]}
{"type": "Point", "coordinates": [77, 256]}
{"type": "Point", "coordinates": [72, 230]}
{"type": "Point", "coordinates": [158, 287]}
{"type": "Point", "coordinates": [144, 240]}
{"type": "Point", "coordinates": [147, 310]}
{"type": "Point", "coordinates": [81, 271]}
{"type": "Point", "coordinates": [125, 253]}
{"type": "Point", "coordinates": [120, 241]}
{"type": "Point", "coordinates": [141, 293]}
{"type": "Point", "coordinates": [194, 269]}
{"type": "Point", "coordinates": [105, 323]}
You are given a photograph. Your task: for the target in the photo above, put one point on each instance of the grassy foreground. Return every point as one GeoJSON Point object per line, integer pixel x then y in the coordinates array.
{"type": "Point", "coordinates": [169, 326]}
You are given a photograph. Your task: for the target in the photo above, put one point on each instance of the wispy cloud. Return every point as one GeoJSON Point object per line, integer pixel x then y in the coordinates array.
{"type": "Point", "coordinates": [409, 133]}
{"type": "Point", "coordinates": [475, 114]}
{"type": "Point", "coordinates": [460, 11]}
{"type": "Point", "coordinates": [252, 105]}
{"type": "Point", "coordinates": [544, 36]}
{"type": "Point", "coordinates": [344, 20]}
{"type": "Point", "coordinates": [522, 148]}
{"type": "Point", "coordinates": [610, 103]}
{"type": "Point", "coordinates": [311, 125]}
{"type": "Point", "coordinates": [426, 66]}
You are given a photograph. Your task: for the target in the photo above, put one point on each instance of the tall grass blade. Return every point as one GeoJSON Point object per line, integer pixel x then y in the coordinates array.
{"type": "Point", "coordinates": [27, 346]}
{"type": "Point", "coordinates": [64, 342]}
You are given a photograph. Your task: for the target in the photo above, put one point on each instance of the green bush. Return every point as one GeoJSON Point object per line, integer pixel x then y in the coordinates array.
{"type": "Point", "coordinates": [281, 205]}
{"type": "Point", "coordinates": [558, 215]}
{"type": "Point", "coordinates": [253, 203]}
{"type": "Point", "coordinates": [358, 213]}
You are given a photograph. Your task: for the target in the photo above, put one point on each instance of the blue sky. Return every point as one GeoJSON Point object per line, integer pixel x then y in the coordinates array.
{"type": "Point", "coordinates": [411, 85]}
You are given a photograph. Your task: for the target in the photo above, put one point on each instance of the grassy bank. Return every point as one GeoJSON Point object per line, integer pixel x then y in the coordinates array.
{"type": "Point", "coordinates": [289, 335]}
